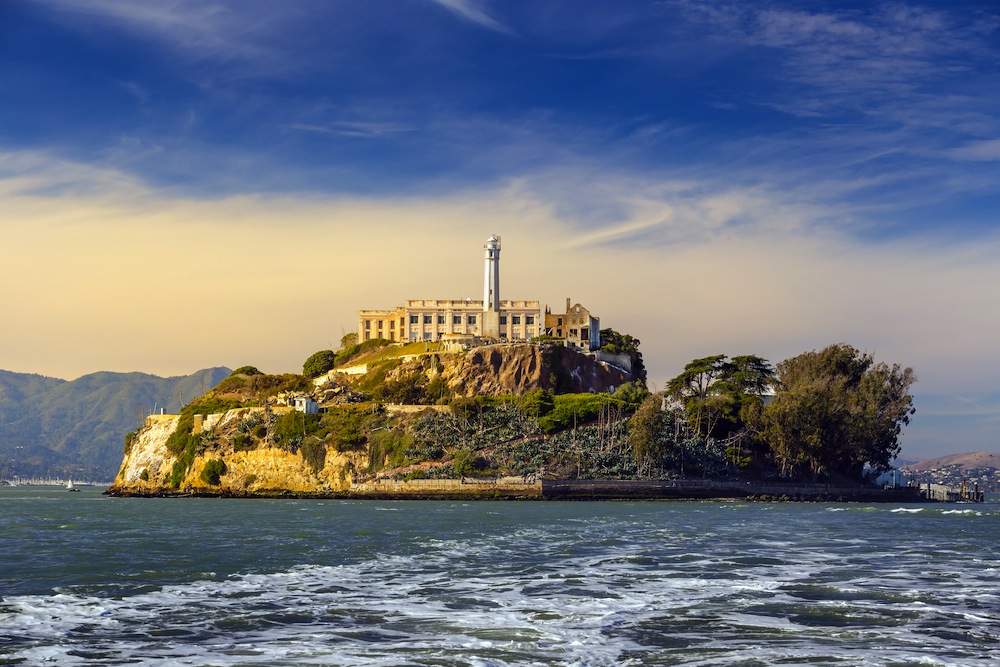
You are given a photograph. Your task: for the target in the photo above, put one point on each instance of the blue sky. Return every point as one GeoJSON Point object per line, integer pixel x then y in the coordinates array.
{"type": "Point", "coordinates": [739, 177]}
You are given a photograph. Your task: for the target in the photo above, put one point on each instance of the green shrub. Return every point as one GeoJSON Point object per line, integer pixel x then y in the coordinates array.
{"type": "Point", "coordinates": [212, 471]}
{"type": "Point", "coordinates": [387, 449]}
{"type": "Point", "coordinates": [377, 374]}
{"type": "Point", "coordinates": [241, 442]}
{"type": "Point", "coordinates": [246, 370]}
{"type": "Point", "coordinates": [571, 410]}
{"type": "Point", "coordinates": [537, 403]}
{"type": "Point", "coordinates": [289, 430]}
{"type": "Point", "coordinates": [183, 462]}
{"type": "Point", "coordinates": [351, 352]}
{"type": "Point", "coordinates": [319, 363]}
{"type": "Point", "coordinates": [144, 475]}
{"type": "Point", "coordinates": [465, 407]}
{"type": "Point", "coordinates": [130, 439]}
{"type": "Point", "coordinates": [466, 463]}
{"type": "Point", "coordinates": [179, 440]}
{"type": "Point", "coordinates": [314, 454]}
{"type": "Point", "coordinates": [407, 389]}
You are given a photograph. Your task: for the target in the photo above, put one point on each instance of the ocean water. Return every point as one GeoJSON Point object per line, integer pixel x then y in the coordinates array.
{"type": "Point", "coordinates": [89, 580]}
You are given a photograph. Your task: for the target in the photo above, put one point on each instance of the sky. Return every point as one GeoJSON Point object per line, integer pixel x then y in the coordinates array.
{"type": "Point", "coordinates": [186, 184]}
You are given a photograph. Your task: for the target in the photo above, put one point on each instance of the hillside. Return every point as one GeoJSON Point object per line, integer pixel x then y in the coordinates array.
{"type": "Point", "coordinates": [967, 461]}
{"type": "Point", "coordinates": [417, 373]}
{"type": "Point", "coordinates": [394, 415]}
{"type": "Point", "coordinates": [972, 468]}
{"type": "Point", "coordinates": [50, 426]}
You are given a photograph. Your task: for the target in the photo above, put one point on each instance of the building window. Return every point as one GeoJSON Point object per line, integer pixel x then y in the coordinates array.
{"type": "Point", "coordinates": [472, 320]}
{"type": "Point", "coordinates": [503, 319]}
{"type": "Point", "coordinates": [427, 335]}
{"type": "Point", "coordinates": [392, 324]}
{"type": "Point", "coordinates": [529, 319]}
{"type": "Point", "coordinates": [516, 319]}
{"type": "Point", "coordinates": [428, 319]}
{"type": "Point", "coordinates": [559, 322]}
{"type": "Point", "coordinates": [440, 319]}
{"type": "Point", "coordinates": [402, 323]}
{"type": "Point", "coordinates": [368, 335]}
{"type": "Point", "coordinates": [456, 319]}
{"type": "Point", "coordinates": [414, 319]}
{"type": "Point", "coordinates": [368, 324]}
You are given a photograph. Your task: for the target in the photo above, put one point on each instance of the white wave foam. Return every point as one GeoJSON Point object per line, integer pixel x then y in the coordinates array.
{"type": "Point", "coordinates": [596, 594]}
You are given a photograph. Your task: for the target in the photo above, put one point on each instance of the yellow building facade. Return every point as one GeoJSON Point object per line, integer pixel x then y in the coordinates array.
{"type": "Point", "coordinates": [432, 319]}
{"type": "Point", "coordinates": [459, 321]}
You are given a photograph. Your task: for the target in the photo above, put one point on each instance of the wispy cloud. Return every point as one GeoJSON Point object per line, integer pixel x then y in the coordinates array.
{"type": "Point", "coordinates": [881, 61]}
{"type": "Point", "coordinates": [195, 28]}
{"type": "Point", "coordinates": [361, 129]}
{"type": "Point", "coordinates": [470, 10]}
{"type": "Point", "coordinates": [978, 151]}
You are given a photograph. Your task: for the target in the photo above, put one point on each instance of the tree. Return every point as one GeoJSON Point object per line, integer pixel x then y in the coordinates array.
{"type": "Point", "coordinates": [613, 342]}
{"type": "Point", "coordinates": [836, 410]}
{"type": "Point", "coordinates": [537, 403]}
{"type": "Point", "coordinates": [650, 432]}
{"type": "Point", "coordinates": [716, 392]}
{"type": "Point", "coordinates": [246, 370]}
{"type": "Point", "coordinates": [319, 363]}
{"type": "Point", "coordinates": [348, 339]}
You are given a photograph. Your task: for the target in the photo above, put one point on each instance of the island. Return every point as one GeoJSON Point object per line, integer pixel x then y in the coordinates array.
{"type": "Point", "coordinates": [500, 398]}
{"type": "Point", "coordinates": [530, 420]}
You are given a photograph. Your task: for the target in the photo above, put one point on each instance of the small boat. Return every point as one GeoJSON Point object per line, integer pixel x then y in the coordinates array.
{"type": "Point", "coordinates": [70, 487]}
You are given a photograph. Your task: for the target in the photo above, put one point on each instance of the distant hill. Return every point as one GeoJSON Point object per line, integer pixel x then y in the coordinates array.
{"type": "Point", "coordinates": [974, 468]}
{"type": "Point", "coordinates": [967, 461]}
{"type": "Point", "coordinates": [76, 428]}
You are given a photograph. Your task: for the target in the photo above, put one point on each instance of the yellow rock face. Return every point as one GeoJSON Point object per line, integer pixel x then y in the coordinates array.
{"type": "Point", "coordinates": [261, 470]}
{"type": "Point", "coordinates": [149, 453]}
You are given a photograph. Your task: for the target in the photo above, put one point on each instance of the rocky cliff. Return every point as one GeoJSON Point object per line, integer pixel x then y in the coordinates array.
{"type": "Point", "coordinates": [515, 369]}
{"type": "Point", "coordinates": [243, 438]}
{"type": "Point", "coordinates": [149, 464]}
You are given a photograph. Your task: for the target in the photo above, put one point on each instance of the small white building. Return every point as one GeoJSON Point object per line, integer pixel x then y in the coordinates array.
{"type": "Point", "coordinates": [306, 405]}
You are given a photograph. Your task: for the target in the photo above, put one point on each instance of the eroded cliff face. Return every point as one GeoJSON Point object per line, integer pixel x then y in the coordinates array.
{"type": "Point", "coordinates": [148, 461]}
{"type": "Point", "coordinates": [515, 369]}
{"type": "Point", "coordinates": [147, 466]}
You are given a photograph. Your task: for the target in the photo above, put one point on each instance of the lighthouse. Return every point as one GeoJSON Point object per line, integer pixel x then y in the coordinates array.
{"type": "Point", "coordinates": [491, 287]}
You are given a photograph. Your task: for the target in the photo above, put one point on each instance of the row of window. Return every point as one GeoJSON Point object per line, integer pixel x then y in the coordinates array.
{"type": "Point", "coordinates": [455, 320]}
{"type": "Point", "coordinates": [429, 335]}
{"type": "Point", "coordinates": [470, 319]}
{"type": "Point", "coordinates": [392, 324]}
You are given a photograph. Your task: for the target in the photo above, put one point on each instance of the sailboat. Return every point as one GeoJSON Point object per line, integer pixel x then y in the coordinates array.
{"type": "Point", "coordinates": [70, 487]}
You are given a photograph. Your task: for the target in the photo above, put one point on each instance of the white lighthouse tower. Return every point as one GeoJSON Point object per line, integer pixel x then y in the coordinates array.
{"type": "Point", "coordinates": [491, 287]}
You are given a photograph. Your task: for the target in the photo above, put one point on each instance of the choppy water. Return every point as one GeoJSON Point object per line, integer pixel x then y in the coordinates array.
{"type": "Point", "coordinates": [87, 580]}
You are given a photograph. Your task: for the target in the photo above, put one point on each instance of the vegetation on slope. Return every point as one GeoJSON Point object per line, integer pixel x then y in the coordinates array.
{"type": "Point", "coordinates": [826, 414]}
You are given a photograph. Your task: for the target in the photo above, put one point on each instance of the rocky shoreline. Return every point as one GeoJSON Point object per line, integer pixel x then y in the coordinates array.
{"type": "Point", "coordinates": [569, 490]}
